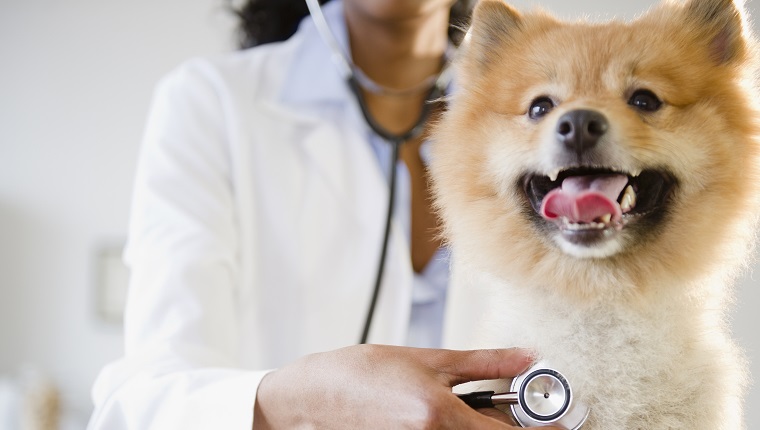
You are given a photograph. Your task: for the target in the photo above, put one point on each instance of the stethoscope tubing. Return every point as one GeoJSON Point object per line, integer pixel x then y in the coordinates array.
{"type": "Point", "coordinates": [386, 239]}
{"type": "Point", "coordinates": [347, 71]}
{"type": "Point", "coordinates": [488, 399]}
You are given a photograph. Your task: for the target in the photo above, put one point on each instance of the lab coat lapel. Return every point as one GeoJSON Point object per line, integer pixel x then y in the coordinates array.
{"type": "Point", "coordinates": [335, 148]}
{"type": "Point", "coordinates": [371, 194]}
{"type": "Point", "coordinates": [333, 153]}
{"type": "Point", "coordinates": [342, 158]}
{"type": "Point", "coordinates": [319, 97]}
{"type": "Point", "coordinates": [348, 165]}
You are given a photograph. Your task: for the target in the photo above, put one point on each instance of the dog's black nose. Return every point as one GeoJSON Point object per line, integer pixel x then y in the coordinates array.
{"type": "Point", "coordinates": [580, 130]}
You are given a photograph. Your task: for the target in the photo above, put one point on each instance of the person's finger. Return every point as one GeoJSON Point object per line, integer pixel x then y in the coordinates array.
{"type": "Point", "coordinates": [506, 418]}
{"type": "Point", "coordinates": [463, 366]}
{"type": "Point", "coordinates": [497, 415]}
{"type": "Point", "coordinates": [482, 419]}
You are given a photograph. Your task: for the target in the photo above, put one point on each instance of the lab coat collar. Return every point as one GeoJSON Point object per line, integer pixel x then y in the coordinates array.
{"type": "Point", "coordinates": [313, 77]}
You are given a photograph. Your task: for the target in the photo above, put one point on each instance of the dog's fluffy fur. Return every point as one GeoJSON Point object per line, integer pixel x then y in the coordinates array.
{"type": "Point", "coordinates": [636, 315]}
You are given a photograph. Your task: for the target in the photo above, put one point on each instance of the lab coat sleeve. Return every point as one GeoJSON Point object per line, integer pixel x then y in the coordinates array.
{"type": "Point", "coordinates": [181, 368]}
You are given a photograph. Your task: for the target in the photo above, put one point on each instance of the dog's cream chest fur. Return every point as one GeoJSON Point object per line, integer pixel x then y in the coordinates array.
{"type": "Point", "coordinates": [656, 365]}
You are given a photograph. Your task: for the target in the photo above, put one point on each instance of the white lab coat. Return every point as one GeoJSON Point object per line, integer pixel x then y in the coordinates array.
{"type": "Point", "coordinates": [255, 235]}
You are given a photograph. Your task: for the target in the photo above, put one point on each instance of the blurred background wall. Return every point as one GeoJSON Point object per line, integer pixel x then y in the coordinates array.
{"type": "Point", "coordinates": [76, 77]}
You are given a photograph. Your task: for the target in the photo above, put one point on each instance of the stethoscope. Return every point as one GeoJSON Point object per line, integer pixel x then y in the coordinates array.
{"type": "Point", "coordinates": [357, 81]}
{"type": "Point", "coordinates": [541, 396]}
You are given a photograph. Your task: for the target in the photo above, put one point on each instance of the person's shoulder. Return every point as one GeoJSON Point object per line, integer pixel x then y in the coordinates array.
{"type": "Point", "coordinates": [255, 70]}
{"type": "Point", "coordinates": [221, 66]}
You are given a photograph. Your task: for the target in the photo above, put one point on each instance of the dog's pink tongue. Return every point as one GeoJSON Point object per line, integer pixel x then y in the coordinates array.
{"type": "Point", "coordinates": [583, 199]}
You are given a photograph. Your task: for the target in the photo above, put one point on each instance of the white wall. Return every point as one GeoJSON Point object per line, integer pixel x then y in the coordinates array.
{"type": "Point", "coordinates": [76, 78]}
{"type": "Point", "coordinates": [75, 82]}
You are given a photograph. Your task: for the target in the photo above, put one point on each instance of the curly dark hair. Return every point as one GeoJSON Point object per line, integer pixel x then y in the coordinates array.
{"type": "Point", "coordinates": [265, 21]}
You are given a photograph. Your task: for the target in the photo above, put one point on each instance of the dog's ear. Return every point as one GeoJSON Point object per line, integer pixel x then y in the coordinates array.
{"type": "Point", "coordinates": [493, 24]}
{"type": "Point", "coordinates": [720, 23]}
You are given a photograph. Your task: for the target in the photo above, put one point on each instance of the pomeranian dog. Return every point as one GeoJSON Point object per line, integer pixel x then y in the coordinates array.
{"type": "Point", "coordinates": [599, 187]}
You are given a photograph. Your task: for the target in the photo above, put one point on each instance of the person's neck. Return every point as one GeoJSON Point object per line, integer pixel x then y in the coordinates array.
{"type": "Point", "coordinates": [398, 54]}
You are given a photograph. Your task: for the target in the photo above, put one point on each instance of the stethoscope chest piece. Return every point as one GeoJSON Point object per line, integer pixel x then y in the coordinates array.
{"type": "Point", "coordinates": [545, 398]}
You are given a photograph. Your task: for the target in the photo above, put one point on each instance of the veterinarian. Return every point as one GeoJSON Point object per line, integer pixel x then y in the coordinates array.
{"type": "Point", "coordinates": [258, 215]}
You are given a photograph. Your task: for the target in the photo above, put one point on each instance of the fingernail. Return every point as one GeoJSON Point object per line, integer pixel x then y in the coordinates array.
{"type": "Point", "coordinates": [528, 357]}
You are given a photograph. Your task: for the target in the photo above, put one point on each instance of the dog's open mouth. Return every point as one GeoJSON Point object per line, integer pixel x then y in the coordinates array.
{"type": "Point", "coordinates": [588, 204]}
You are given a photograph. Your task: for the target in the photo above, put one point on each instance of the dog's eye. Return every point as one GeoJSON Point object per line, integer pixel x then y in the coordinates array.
{"type": "Point", "coordinates": [645, 100]}
{"type": "Point", "coordinates": [540, 107]}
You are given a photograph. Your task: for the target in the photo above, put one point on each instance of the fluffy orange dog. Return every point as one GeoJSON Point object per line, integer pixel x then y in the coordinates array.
{"type": "Point", "coordinates": [599, 187]}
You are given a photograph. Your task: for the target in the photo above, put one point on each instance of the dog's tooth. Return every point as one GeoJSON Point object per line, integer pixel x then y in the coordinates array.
{"type": "Point", "coordinates": [636, 173]}
{"type": "Point", "coordinates": [633, 197]}
{"type": "Point", "coordinates": [625, 203]}
{"type": "Point", "coordinates": [606, 218]}
{"type": "Point", "coordinates": [629, 199]}
{"type": "Point", "coordinates": [553, 175]}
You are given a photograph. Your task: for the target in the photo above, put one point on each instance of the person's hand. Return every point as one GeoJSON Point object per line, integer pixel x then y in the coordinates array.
{"type": "Point", "coordinates": [375, 386]}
